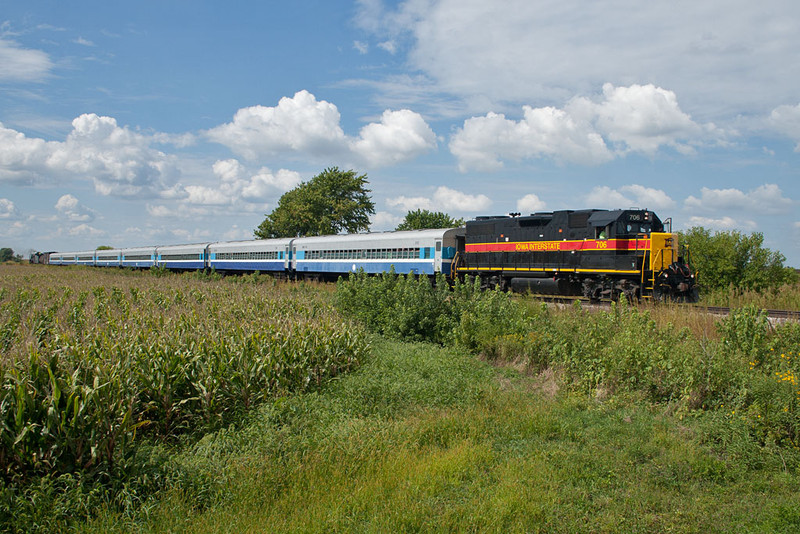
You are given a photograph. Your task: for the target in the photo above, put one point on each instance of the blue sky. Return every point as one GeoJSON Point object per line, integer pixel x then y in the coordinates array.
{"type": "Point", "coordinates": [141, 123]}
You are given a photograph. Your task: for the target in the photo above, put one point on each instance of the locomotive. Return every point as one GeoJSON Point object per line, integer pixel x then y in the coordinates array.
{"type": "Point", "coordinates": [597, 254]}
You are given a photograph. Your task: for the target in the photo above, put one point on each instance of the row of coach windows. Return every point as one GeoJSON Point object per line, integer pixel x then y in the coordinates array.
{"type": "Point", "coordinates": [367, 254]}
{"type": "Point", "coordinates": [254, 255]}
{"type": "Point", "coordinates": [107, 258]}
{"type": "Point", "coordinates": [181, 257]}
{"type": "Point", "coordinates": [85, 258]}
{"type": "Point", "coordinates": [137, 257]}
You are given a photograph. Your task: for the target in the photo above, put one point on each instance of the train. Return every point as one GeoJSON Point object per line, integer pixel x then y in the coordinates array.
{"type": "Point", "coordinates": [597, 254]}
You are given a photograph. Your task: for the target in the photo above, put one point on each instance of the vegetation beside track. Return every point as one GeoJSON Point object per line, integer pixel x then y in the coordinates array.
{"type": "Point", "coordinates": [501, 415]}
{"type": "Point", "coordinates": [95, 365]}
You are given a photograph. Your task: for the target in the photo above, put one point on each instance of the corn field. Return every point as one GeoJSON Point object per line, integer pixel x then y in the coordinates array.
{"type": "Point", "coordinates": [92, 362]}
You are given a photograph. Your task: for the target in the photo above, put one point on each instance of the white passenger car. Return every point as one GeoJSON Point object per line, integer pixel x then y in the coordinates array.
{"type": "Point", "coordinates": [413, 252]}
{"type": "Point", "coordinates": [263, 255]}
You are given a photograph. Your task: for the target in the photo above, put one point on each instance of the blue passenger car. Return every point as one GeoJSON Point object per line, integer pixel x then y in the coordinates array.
{"type": "Point", "coordinates": [139, 258]}
{"type": "Point", "coordinates": [86, 257]}
{"type": "Point", "coordinates": [183, 257]}
{"type": "Point", "coordinates": [58, 258]}
{"type": "Point", "coordinates": [108, 258]}
{"type": "Point", "coordinates": [421, 252]}
{"type": "Point", "coordinates": [263, 255]}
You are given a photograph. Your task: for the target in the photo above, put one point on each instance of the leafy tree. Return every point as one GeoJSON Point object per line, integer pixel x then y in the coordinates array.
{"type": "Point", "coordinates": [726, 259]}
{"type": "Point", "coordinates": [329, 203]}
{"type": "Point", "coordinates": [422, 219]}
{"type": "Point", "coordinates": [6, 254]}
{"type": "Point", "coordinates": [105, 247]}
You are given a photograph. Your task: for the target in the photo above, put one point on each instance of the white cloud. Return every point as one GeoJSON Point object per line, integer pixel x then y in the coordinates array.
{"type": "Point", "coordinates": [265, 184]}
{"type": "Point", "coordinates": [643, 118]}
{"type": "Point", "coordinates": [450, 199]}
{"type": "Point", "coordinates": [543, 132]}
{"type": "Point", "coordinates": [235, 186]}
{"type": "Point", "coordinates": [400, 136]}
{"type": "Point", "coordinates": [389, 46]}
{"type": "Point", "coordinates": [306, 127]}
{"type": "Point", "coordinates": [628, 196]}
{"type": "Point", "coordinates": [300, 124]}
{"type": "Point", "coordinates": [767, 198]}
{"type": "Point", "coordinates": [21, 64]}
{"type": "Point", "coordinates": [722, 223]}
{"type": "Point", "coordinates": [118, 161]}
{"type": "Point", "coordinates": [410, 203]}
{"type": "Point", "coordinates": [786, 120]}
{"type": "Point", "coordinates": [179, 211]}
{"type": "Point", "coordinates": [530, 203]}
{"type": "Point", "coordinates": [71, 209]}
{"type": "Point", "coordinates": [624, 119]}
{"type": "Point", "coordinates": [444, 199]}
{"type": "Point", "coordinates": [361, 47]}
{"type": "Point", "coordinates": [83, 42]}
{"type": "Point", "coordinates": [199, 194]}
{"type": "Point", "coordinates": [14, 229]}
{"type": "Point", "coordinates": [723, 58]}
{"type": "Point", "coordinates": [384, 221]}
{"type": "Point", "coordinates": [237, 234]}
{"type": "Point", "coordinates": [8, 211]}
{"type": "Point", "coordinates": [84, 230]}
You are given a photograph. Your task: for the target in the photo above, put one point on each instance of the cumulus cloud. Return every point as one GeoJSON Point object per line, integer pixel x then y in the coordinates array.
{"type": "Point", "coordinates": [639, 118]}
{"type": "Point", "coordinates": [530, 203]}
{"type": "Point", "coordinates": [628, 196]}
{"type": "Point", "coordinates": [179, 211]}
{"type": "Point", "coordinates": [84, 230]}
{"type": "Point", "coordinates": [543, 132]}
{"type": "Point", "coordinates": [307, 127]}
{"type": "Point", "coordinates": [120, 162]}
{"type": "Point", "coordinates": [410, 203]}
{"type": "Point", "coordinates": [300, 124]}
{"type": "Point", "coordinates": [8, 211]}
{"type": "Point", "coordinates": [19, 64]}
{"type": "Point", "coordinates": [722, 223]}
{"type": "Point", "coordinates": [767, 198]}
{"type": "Point", "coordinates": [786, 120]}
{"type": "Point", "coordinates": [400, 136]}
{"type": "Point", "coordinates": [642, 118]}
{"type": "Point", "coordinates": [71, 209]}
{"type": "Point", "coordinates": [450, 199]}
{"type": "Point", "coordinates": [384, 221]}
{"type": "Point", "coordinates": [444, 199]}
{"type": "Point", "coordinates": [22, 159]}
{"type": "Point", "coordinates": [235, 185]}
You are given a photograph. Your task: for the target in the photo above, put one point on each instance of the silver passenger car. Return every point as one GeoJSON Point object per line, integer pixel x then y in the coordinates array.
{"type": "Point", "coordinates": [411, 252]}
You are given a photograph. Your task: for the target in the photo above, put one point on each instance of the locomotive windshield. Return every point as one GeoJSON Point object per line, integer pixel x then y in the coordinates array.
{"type": "Point", "coordinates": [637, 223]}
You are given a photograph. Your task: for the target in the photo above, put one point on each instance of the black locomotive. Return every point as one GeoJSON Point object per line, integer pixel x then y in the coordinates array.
{"type": "Point", "coordinates": [597, 254]}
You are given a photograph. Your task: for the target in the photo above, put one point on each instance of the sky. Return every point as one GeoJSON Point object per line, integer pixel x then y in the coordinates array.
{"type": "Point", "coordinates": [161, 122]}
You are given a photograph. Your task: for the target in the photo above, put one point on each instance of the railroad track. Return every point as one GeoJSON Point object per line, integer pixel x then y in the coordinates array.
{"type": "Point", "coordinates": [786, 315]}
{"type": "Point", "coordinates": [778, 315]}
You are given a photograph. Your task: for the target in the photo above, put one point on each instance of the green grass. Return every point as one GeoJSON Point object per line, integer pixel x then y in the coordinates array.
{"type": "Point", "coordinates": [426, 439]}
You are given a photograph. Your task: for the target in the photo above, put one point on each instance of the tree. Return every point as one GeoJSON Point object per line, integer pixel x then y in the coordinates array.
{"type": "Point", "coordinates": [422, 219]}
{"type": "Point", "coordinates": [329, 203]}
{"type": "Point", "coordinates": [105, 247]}
{"type": "Point", "coordinates": [726, 259]}
{"type": "Point", "coordinates": [6, 254]}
